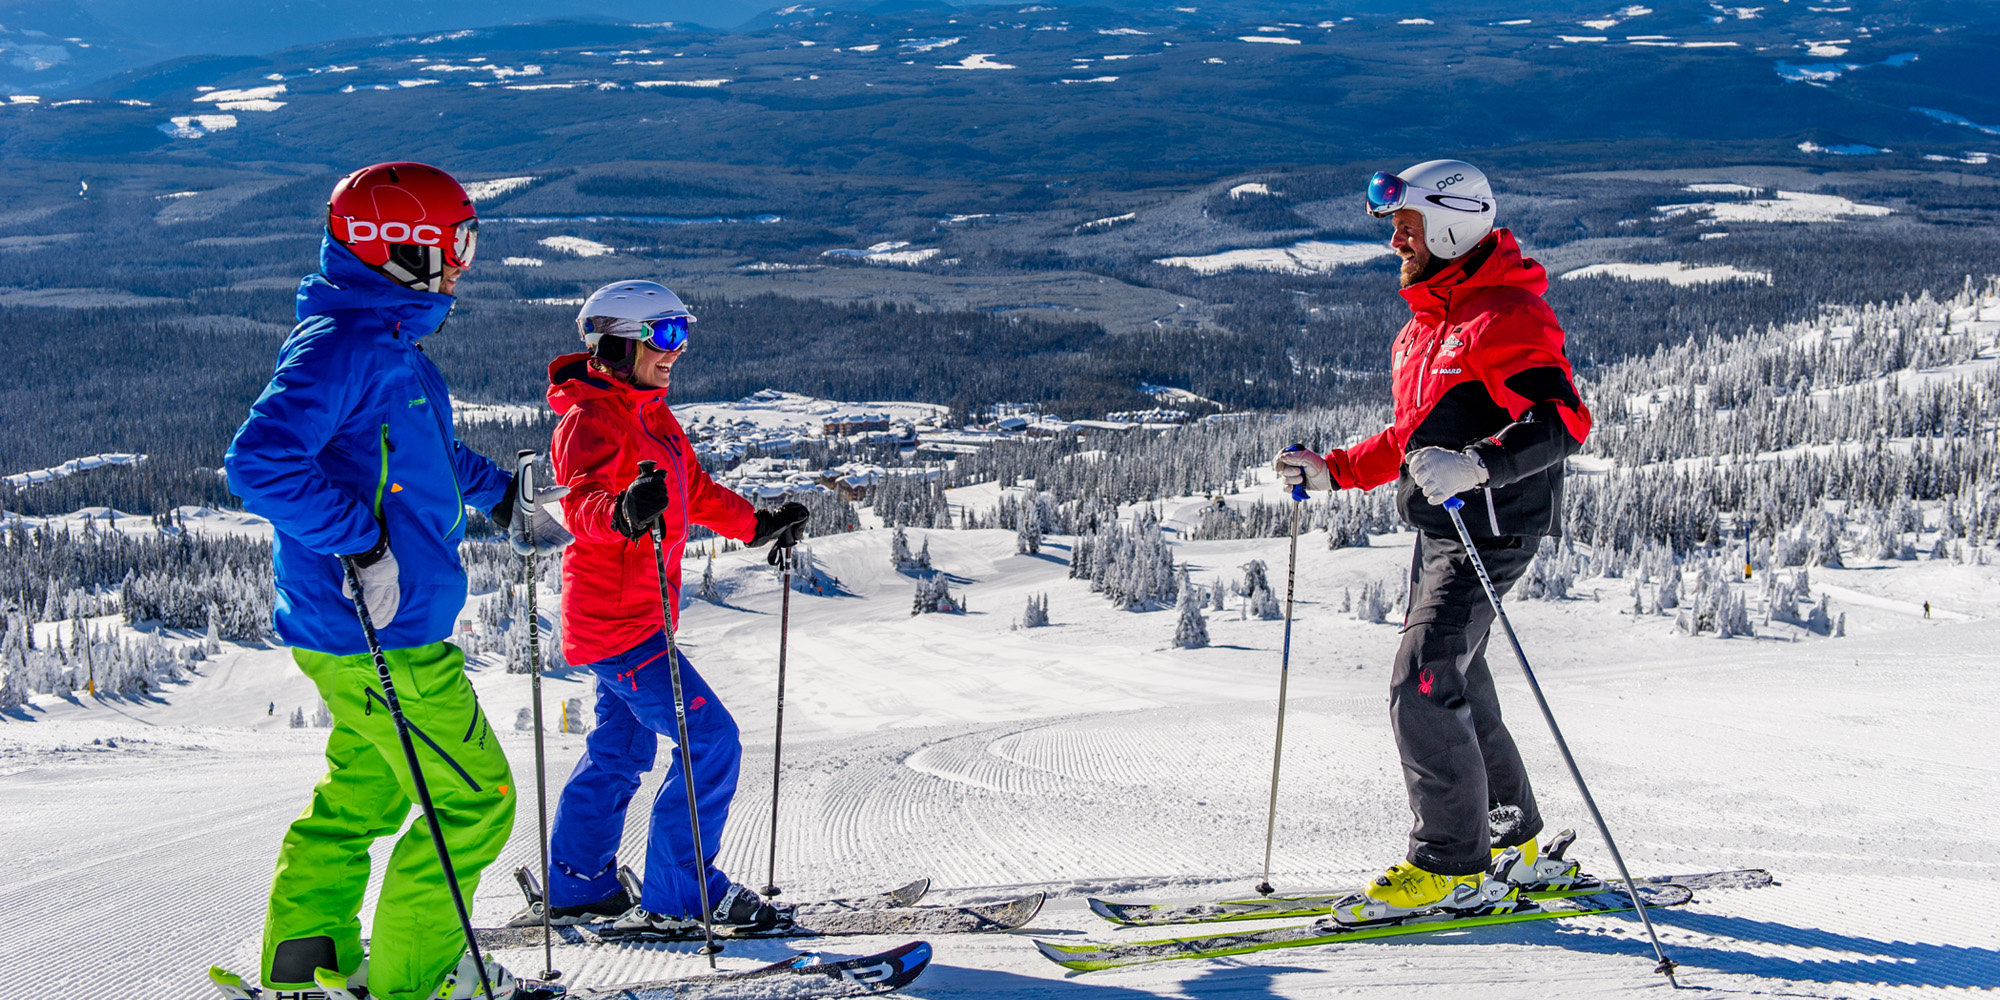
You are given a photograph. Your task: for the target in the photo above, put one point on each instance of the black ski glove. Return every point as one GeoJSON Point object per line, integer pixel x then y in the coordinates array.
{"type": "Point", "coordinates": [503, 514]}
{"type": "Point", "coordinates": [783, 527]}
{"type": "Point", "coordinates": [642, 503]}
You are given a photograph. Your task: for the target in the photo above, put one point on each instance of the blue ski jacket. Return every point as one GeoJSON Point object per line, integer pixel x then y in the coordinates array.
{"type": "Point", "coordinates": [353, 430]}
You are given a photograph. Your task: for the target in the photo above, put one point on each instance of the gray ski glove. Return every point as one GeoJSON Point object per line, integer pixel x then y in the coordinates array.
{"type": "Point", "coordinates": [1442, 473]}
{"type": "Point", "coordinates": [381, 586]}
{"type": "Point", "coordinates": [541, 532]}
{"type": "Point", "coordinates": [1302, 466]}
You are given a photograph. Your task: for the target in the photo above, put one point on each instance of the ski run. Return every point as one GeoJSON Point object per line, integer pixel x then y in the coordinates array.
{"type": "Point", "coordinates": [1093, 759]}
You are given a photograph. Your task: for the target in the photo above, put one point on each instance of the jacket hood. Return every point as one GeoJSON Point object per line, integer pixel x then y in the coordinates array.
{"type": "Point", "coordinates": [344, 282]}
{"type": "Point", "coordinates": [572, 380]}
{"type": "Point", "coordinates": [1495, 263]}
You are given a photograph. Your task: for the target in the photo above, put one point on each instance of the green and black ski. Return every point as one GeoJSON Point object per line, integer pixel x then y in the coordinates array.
{"type": "Point", "coordinates": [1133, 914]}
{"type": "Point", "coordinates": [1091, 956]}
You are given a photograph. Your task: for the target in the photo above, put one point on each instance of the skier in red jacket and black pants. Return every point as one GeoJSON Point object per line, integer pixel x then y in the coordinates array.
{"type": "Point", "coordinates": [613, 403]}
{"type": "Point", "coordinates": [1485, 409]}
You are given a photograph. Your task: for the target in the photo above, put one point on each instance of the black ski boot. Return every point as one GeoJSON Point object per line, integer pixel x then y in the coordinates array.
{"type": "Point", "coordinates": [741, 911]}
{"type": "Point", "coordinates": [609, 908]}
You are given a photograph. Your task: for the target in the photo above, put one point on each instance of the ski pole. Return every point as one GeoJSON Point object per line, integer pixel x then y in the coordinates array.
{"type": "Point", "coordinates": [709, 947]}
{"type": "Point", "coordinates": [1667, 965]}
{"type": "Point", "coordinates": [784, 555]}
{"type": "Point", "coordinates": [416, 773]}
{"type": "Point", "coordinates": [1284, 678]}
{"type": "Point", "coordinates": [524, 507]}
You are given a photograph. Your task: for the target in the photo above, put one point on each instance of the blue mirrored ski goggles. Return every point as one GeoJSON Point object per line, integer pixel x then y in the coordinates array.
{"type": "Point", "coordinates": [665, 334]}
{"type": "Point", "coordinates": [1386, 193]}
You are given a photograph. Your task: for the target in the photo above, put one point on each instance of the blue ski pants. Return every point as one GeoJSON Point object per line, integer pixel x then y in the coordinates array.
{"type": "Point", "coordinates": [635, 706]}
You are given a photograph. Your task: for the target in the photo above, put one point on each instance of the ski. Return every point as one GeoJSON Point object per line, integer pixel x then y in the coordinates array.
{"type": "Point", "coordinates": [797, 978]}
{"type": "Point", "coordinates": [1134, 914]}
{"type": "Point", "coordinates": [901, 896]}
{"type": "Point", "coordinates": [897, 898]}
{"type": "Point", "coordinates": [807, 976]}
{"type": "Point", "coordinates": [1090, 957]}
{"type": "Point", "coordinates": [1002, 916]}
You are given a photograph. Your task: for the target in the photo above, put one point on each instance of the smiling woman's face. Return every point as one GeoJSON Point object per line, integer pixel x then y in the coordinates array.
{"type": "Point", "coordinates": [653, 368]}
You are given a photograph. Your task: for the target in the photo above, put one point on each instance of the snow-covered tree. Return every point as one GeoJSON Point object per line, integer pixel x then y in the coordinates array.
{"type": "Point", "coordinates": [1191, 631]}
{"type": "Point", "coordinates": [1134, 567]}
{"type": "Point", "coordinates": [1028, 536]}
{"type": "Point", "coordinates": [1264, 605]}
{"type": "Point", "coordinates": [934, 596]}
{"type": "Point", "coordinates": [1254, 577]}
{"type": "Point", "coordinates": [708, 591]}
{"type": "Point", "coordinates": [1373, 605]}
{"type": "Point", "coordinates": [1037, 613]}
{"type": "Point", "coordinates": [1668, 597]}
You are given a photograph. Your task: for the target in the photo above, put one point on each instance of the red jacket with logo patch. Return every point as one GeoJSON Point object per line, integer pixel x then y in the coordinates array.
{"type": "Point", "coordinates": [611, 587]}
{"type": "Point", "coordinates": [1480, 366]}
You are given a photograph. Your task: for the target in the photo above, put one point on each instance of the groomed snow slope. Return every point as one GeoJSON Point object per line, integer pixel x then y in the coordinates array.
{"type": "Point", "coordinates": [1090, 758]}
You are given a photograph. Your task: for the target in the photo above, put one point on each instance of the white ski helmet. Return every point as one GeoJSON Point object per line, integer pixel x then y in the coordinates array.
{"type": "Point", "coordinates": [619, 315]}
{"type": "Point", "coordinates": [1453, 197]}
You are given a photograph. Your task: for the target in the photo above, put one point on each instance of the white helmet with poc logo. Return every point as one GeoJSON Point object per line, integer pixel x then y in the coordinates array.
{"type": "Point", "coordinates": [1453, 197]}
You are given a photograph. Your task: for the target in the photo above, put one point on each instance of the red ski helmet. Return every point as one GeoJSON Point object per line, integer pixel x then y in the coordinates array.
{"type": "Point", "coordinates": [408, 221]}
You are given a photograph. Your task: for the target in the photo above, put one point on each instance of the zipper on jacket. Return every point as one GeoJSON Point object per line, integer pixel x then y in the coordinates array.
{"type": "Point", "coordinates": [452, 468]}
{"type": "Point", "coordinates": [1430, 359]}
{"type": "Point", "coordinates": [382, 482]}
{"type": "Point", "coordinates": [444, 435]}
{"type": "Point", "coordinates": [1492, 514]}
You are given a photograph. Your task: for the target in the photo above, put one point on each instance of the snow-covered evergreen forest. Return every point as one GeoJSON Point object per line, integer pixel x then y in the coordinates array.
{"type": "Point", "coordinates": [1867, 433]}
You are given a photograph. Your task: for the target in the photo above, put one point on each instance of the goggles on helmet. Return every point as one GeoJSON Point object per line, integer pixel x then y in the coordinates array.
{"type": "Point", "coordinates": [665, 334]}
{"type": "Point", "coordinates": [1386, 193]}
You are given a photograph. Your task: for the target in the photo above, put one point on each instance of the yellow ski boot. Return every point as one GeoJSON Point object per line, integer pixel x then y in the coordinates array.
{"type": "Point", "coordinates": [1406, 890]}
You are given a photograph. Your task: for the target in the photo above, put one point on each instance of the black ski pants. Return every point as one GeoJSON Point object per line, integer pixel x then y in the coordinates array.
{"type": "Point", "coordinates": [1459, 762]}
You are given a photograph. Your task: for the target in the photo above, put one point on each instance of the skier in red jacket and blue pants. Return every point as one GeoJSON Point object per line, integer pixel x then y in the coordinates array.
{"type": "Point", "coordinates": [1485, 409]}
{"type": "Point", "coordinates": [612, 400]}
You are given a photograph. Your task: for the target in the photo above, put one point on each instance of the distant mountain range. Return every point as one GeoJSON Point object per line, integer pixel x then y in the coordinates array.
{"type": "Point", "coordinates": [918, 86]}
{"type": "Point", "coordinates": [48, 45]}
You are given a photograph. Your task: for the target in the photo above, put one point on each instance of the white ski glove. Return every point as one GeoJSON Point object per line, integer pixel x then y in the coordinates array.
{"type": "Point", "coordinates": [541, 533]}
{"type": "Point", "coordinates": [1302, 466]}
{"type": "Point", "coordinates": [1442, 473]}
{"type": "Point", "coordinates": [380, 584]}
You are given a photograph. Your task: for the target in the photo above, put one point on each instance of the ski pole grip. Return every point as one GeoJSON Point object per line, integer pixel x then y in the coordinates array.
{"type": "Point", "coordinates": [1454, 503]}
{"type": "Point", "coordinates": [524, 480]}
{"type": "Point", "coordinates": [1298, 488]}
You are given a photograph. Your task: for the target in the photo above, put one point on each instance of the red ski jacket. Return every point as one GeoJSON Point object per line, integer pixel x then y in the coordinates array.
{"type": "Point", "coordinates": [611, 587]}
{"type": "Point", "coordinates": [1481, 366]}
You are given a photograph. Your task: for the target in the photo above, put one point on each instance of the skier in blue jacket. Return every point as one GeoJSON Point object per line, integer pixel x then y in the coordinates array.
{"type": "Point", "coordinates": [350, 453]}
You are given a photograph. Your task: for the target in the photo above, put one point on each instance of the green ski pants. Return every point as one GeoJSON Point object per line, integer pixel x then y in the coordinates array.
{"type": "Point", "coordinates": [323, 866]}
